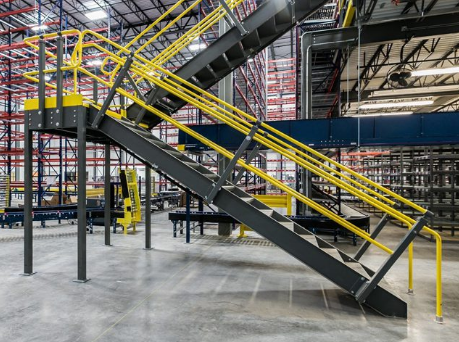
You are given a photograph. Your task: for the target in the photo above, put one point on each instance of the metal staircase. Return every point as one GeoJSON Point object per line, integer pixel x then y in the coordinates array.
{"type": "Point", "coordinates": [88, 120]}
{"type": "Point", "coordinates": [338, 267]}
{"type": "Point", "coordinates": [271, 20]}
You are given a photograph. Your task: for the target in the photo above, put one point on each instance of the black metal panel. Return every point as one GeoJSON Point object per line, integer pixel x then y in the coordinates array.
{"type": "Point", "coordinates": [403, 28]}
{"type": "Point", "coordinates": [51, 118]}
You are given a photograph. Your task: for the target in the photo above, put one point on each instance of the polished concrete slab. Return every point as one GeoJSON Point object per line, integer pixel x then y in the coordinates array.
{"type": "Point", "coordinates": [210, 290]}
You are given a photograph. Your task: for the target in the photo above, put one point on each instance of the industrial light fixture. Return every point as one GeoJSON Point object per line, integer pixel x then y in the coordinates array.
{"type": "Point", "coordinates": [90, 4]}
{"type": "Point", "coordinates": [383, 114]}
{"type": "Point", "coordinates": [39, 28]}
{"type": "Point", "coordinates": [195, 47]}
{"type": "Point", "coordinates": [396, 104]}
{"type": "Point", "coordinates": [417, 91]}
{"type": "Point", "coordinates": [96, 15]}
{"type": "Point", "coordinates": [430, 72]}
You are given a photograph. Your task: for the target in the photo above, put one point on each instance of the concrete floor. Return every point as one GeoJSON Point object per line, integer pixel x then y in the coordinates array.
{"type": "Point", "coordinates": [209, 290]}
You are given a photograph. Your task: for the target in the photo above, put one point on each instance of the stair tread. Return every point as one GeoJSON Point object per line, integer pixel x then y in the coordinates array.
{"type": "Point", "coordinates": [310, 238]}
{"type": "Point", "coordinates": [358, 268]}
{"type": "Point", "coordinates": [333, 252]}
{"type": "Point", "coordinates": [361, 270]}
{"type": "Point", "coordinates": [268, 212]}
{"type": "Point", "coordinates": [211, 175]}
{"type": "Point", "coordinates": [289, 225]}
{"type": "Point", "coordinates": [247, 199]}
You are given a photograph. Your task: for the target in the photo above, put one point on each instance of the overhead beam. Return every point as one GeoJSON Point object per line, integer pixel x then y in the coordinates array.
{"type": "Point", "coordinates": [386, 130]}
{"type": "Point", "coordinates": [403, 28]}
{"type": "Point", "coordinates": [437, 91]}
{"type": "Point", "coordinates": [18, 11]}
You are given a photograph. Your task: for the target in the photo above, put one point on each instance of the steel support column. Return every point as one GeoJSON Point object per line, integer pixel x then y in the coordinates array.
{"type": "Point", "coordinates": [306, 109]}
{"type": "Point", "coordinates": [28, 197]}
{"type": "Point", "coordinates": [81, 181]}
{"type": "Point", "coordinates": [201, 221]}
{"type": "Point", "coordinates": [225, 93]}
{"type": "Point", "coordinates": [107, 195]}
{"type": "Point", "coordinates": [147, 207]}
{"type": "Point", "coordinates": [188, 217]}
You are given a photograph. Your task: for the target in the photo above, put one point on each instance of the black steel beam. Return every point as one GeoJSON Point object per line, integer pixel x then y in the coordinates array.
{"type": "Point", "coordinates": [107, 195]}
{"type": "Point", "coordinates": [81, 181]}
{"type": "Point", "coordinates": [403, 28]}
{"type": "Point", "coordinates": [147, 207]}
{"type": "Point", "coordinates": [28, 198]}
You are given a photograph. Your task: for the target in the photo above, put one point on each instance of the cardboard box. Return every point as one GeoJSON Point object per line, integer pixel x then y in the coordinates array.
{"type": "Point", "coordinates": [54, 200]}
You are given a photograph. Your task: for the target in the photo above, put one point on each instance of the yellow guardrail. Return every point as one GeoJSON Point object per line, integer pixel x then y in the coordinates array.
{"type": "Point", "coordinates": [301, 154]}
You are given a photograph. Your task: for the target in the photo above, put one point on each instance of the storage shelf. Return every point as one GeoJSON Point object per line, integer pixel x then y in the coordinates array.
{"type": "Point", "coordinates": [428, 176]}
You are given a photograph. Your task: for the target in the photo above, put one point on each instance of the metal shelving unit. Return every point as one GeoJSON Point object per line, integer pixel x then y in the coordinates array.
{"type": "Point", "coordinates": [429, 176]}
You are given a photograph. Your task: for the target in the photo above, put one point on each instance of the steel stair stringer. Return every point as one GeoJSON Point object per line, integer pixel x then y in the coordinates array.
{"type": "Point", "coordinates": [312, 251]}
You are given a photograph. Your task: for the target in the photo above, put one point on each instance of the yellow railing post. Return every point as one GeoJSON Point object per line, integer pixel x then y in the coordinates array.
{"type": "Point", "coordinates": [410, 268]}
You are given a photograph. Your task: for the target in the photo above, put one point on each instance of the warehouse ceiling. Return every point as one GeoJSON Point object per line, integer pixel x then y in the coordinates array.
{"type": "Point", "coordinates": [379, 65]}
{"type": "Point", "coordinates": [374, 64]}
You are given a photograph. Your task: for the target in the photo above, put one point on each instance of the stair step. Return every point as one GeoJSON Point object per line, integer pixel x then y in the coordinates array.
{"type": "Point", "coordinates": [248, 199]}
{"type": "Point", "coordinates": [219, 66]}
{"type": "Point", "coordinates": [358, 268]}
{"type": "Point", "coordinates": [268, 28]}
{"type": "Point", "coordinates": [176, 154]}
{"type": "Point", "coordinates": [268, 212]}
{"type": "Point", "coordinates": [212, 176]}
{"type": "Point", "coordinates": [288, 225]}
{"type": "Point", "coordinates": [143, 133]}
{"type": "Point", "coordinates": [159, 143]}
{"type": "Point", "coordinates": [235, 52]}
{"type": "Point", "coordinates": [251, 41]}
{"type": "Point", "coordinates": [284, 17]}
{"type": "Point", "coordinates": [333, 252]}
{"type": "Point", "coordinates": [310, 238]}
{"type": "Point", "coordinates": [204, 74]}
{"type": "Point", "coordinates": [194, 165]}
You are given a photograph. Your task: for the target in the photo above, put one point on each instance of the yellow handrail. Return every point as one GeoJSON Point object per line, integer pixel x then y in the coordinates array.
{"type": "Point", "coordinates": [336, 181]}
{"type": "Point", "coordinates": [183, 41]}
{"type": "Point", "coordinates": [268, 143]}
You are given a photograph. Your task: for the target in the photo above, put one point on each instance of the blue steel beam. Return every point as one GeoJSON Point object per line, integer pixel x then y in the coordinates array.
{"type": "Point", "coordinates": [393, 130]}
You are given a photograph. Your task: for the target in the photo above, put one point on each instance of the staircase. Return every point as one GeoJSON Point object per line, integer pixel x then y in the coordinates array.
{"type": "Point", "coordinates": [312, 251]}
{"type": "Point", "coordinates": [270, 21]}
{"type": "Point", "coordinates": [99, 123]}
